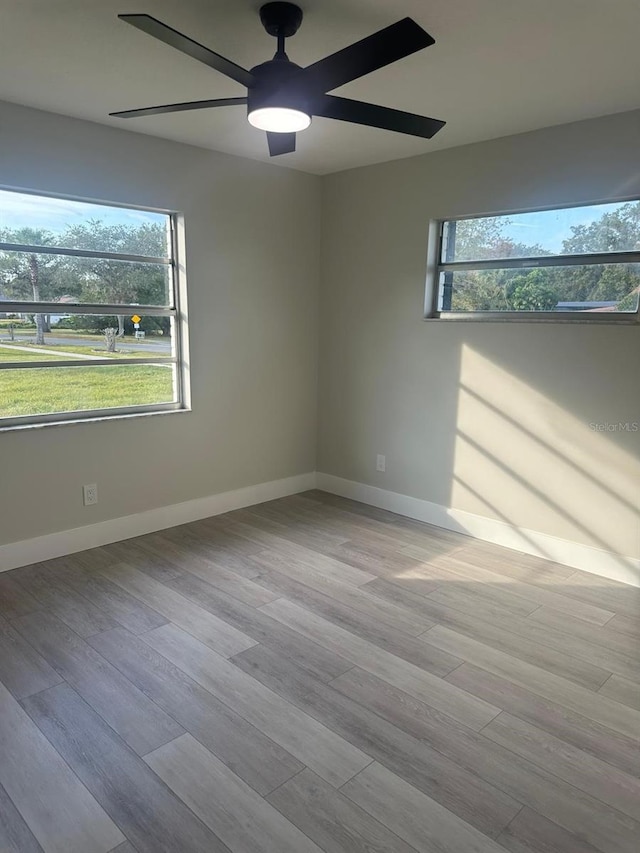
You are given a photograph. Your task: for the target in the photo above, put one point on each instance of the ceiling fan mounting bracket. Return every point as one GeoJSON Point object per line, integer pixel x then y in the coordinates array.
{"type": "Point", "coordinates": [281, 20]}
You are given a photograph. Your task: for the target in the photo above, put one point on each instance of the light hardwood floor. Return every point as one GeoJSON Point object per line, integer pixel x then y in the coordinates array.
{"type": "Point", "coordinates": [310, 675]}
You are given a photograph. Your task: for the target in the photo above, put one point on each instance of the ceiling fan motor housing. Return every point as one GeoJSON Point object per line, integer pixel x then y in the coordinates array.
{"type": "Point", "coordinates": [275, 86]}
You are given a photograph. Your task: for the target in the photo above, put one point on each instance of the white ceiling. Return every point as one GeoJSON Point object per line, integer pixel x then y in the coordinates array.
{"type": "Point", "coordinates": [498, 67]}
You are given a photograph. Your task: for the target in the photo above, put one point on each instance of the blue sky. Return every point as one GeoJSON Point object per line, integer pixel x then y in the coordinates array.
{"type": "Point", "coordinates": [19, 210]}
{"type": "Point", "coordinates": [550, 227]}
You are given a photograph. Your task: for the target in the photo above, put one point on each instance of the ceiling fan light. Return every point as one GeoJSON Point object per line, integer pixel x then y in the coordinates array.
{"type": "Point", "coordinates": [279, 119]}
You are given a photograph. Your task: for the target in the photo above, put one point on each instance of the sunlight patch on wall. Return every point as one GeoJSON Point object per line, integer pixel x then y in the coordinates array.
{"type": "Point", "coordinates": [522, 458]}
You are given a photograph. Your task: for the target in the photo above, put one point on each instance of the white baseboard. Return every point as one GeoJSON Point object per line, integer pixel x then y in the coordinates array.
{"type": "Point", "coordinates": [114, 530]}
{"type": "Point", "coordinates": [574, 554]}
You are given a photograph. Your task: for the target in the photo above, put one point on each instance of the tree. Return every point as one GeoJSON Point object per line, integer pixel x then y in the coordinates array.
{"type": "Point", "coordinates": [30, 276]}
{"type": "Point", "coordinates": [532, 292]}
{"type": "Point", "coordinates": [614, 231]}
{"type": "Point", "coordinates": [118, 282]}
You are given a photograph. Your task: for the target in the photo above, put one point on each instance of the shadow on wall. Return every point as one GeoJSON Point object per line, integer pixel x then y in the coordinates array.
{"type": "Point", "coordinates": [522, 457]}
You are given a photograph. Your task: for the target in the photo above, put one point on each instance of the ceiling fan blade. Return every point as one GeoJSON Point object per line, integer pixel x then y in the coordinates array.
{"type": "Point", "coordinates": [180, 42]}
{"type": "Point", "coordinates": [281, 143]}
{"type": "Point", "coordinates": [382, 48]}
{"type": "Point", "coordinates": [179, 108]}
{"type": "Point", "coordinates": [357, 112]}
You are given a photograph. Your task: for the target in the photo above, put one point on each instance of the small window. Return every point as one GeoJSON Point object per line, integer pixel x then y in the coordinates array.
{"type": "Point", "coordinates": [576, 263]}
{"type": "Point", "coordinates": [89, 310]}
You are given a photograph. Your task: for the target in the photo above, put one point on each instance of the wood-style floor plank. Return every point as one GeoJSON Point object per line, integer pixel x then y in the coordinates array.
{"type": "Point", "coordinates": [122, 607]}
{"type": "Point", "coordinates": [56, 597]}
{"type": "Point", "coordinates": [472, 798]}
{"type": "Point", "coordinates": [364, 535]}
{"type": "Point", "coordinates": [589, 774]}
{"type": "Point", "coordinates": [518, 637]}
{"type": "Point", "coordinates": [251, 755]}
{"type": "Point", "coordinates": [622, 690]}
{"type": "Point", "coordinates": [153, 818]}
{"type": "Point", "coordinates": [140, 722]}
{"type": "Point", "coordinates": [493, 584]}
{"type": "Point", "coordinates": [333, 821]}
{"type": "Point", "coordinates": [417, 819]}
{"type": "Point", "coordinates": [224, 549]}
{"type": "Point", "coordinates": [15, 600]}
{"type": "Point", "coordinates": [599, 708]}
{"type": "Point", "coordinates": [625, 624]}
{"type": "Point", "coordinates": [278, 518]}
{"type": "Point", "coordinates": [336, 611]}
{"type": "Point", "coordinates": [571, 727]}
{"type": "Point", "coordinates": [218, 576]}
{"type": "Point", "coordinates": [15, 835]}
{"type": "Point", "coordinates": [514, 564]}
{"type": "Point", "coordinates": [603, 635]}
{"type": "Point", "coordinates": [432, 690]}
{"type": "Point", "coordinates": [376, 610]}
{"type": "Point", "coordinates": [58, 809]}
{"type": "Point", "coordinates": [314, 561]}
{"type": "Point", "coordinates": [262, 628]}
{"type": "Point", "coordinates": [22, 670]}
{"type": "Point", "coordinates": [381, 558]}
{"type": "Point", "coordinates": [133, 552]}
{"type": "Point", "coordinates": [221, 636]}
{"type": "Point", "coordinates": [605, 649]}
{"type": "Point", "coordinates": [313, 744]}
{"type": "Point", "coordinates": [406, 530]}
{"type": "Point", "coordinates": [223, 801]}
{"type": "Point", "coordinates": [619, 597]}
{"type": "Point", "coordinates": [529, 832]}
{"type": "Point", "coordinates": [482, 602]}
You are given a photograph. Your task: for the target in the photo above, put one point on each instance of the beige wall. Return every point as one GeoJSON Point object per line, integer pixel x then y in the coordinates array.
{"type": "Point", "coordinates": [252, 259]}
{"type": "Point", "coordinates": [484, 417]}
{"type": "Point", "coordinates": [493, 419]}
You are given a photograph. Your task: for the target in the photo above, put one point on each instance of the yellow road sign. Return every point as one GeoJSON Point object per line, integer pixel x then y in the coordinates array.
{"type": "Point", "coordinates": [135, 319]}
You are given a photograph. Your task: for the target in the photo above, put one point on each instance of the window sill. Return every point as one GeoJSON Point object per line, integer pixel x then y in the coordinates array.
{"type": "Point", "coordinates": [454, 317]}
{"type": "Point", "coordinates": [92, 419]}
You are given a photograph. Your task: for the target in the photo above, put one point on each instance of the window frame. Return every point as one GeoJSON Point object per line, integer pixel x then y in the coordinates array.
{"type": "Point", "coordinates": [175, 309]}
{"type": "Point", "coordinates": [435, 266]}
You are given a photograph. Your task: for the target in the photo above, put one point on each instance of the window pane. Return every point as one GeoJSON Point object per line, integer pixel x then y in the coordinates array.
{"type": "Point", "coordinates": [601, 288]}
{"type": "Point", "coordinates": [58, 278]}
{"type": "Point", "coordinates": [84, 337]}
{"type": "Point", "coordinates": [44, 221]}
{"type": "Point", "coordinates": [73, 389]}
{"type": "Point", "coordinates": [577, 230]}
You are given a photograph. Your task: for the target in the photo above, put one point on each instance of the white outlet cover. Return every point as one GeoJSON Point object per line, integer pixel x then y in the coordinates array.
{"type": "Point", "coordinates": [381, 462]}
{"type": "Point", "coordinates": [90, 494]}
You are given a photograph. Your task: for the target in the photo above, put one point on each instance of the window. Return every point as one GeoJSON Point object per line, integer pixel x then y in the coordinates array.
{"type": "Point", "coordinates": [577, 263]}
{"type": "Point", "coordinates": [89, 310]}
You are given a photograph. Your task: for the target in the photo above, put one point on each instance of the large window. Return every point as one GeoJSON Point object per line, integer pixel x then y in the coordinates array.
{"type": "Point", "coordinates": [575, 263]}
{"type": "Point", "coordinates": [89, 310]}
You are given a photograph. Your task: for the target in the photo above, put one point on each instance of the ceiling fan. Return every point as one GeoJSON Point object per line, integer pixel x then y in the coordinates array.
{"type": "Point", "coordinates": [282, 97]}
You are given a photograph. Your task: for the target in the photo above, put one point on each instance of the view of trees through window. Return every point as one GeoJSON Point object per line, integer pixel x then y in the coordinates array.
{"type": "Point", "coordinates": [556, 279]}
{"type": "Point", "coordinates": [61, 359]}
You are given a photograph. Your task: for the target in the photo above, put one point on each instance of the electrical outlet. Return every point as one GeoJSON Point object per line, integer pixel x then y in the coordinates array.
{"type": "Point", "coordinates": [381, 462]}
{"type": "Point", "coordinates": [90, 494]}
